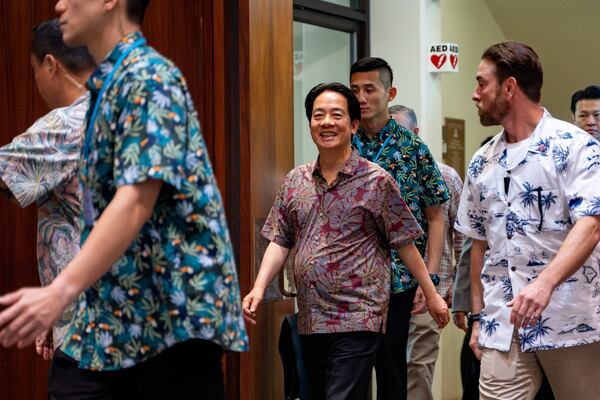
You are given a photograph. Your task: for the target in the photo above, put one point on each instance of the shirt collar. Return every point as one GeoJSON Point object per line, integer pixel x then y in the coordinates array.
{"type": "Point", "coordinates": [390, 128]}
{"type": "Point", "coordinates": [349, 168]}
{"type": "Point", "coordinates": [99, 75]}
{"type": "Point", "coordinates": [499, 145]}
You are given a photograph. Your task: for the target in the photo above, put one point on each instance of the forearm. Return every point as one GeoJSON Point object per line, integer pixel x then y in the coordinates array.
{"type": "Point", "coordinates": [112, 234]}
{"type": "Point", "coordinates": [435, 237]}
{"type": "Point", "coordinates": [416, 266]}
{"type": "Point", "coordinates": [478, 249]}
{"type": "Point", "coordinates": [575, 250]}
{"type": "Point", "coordinates": [271, 264]}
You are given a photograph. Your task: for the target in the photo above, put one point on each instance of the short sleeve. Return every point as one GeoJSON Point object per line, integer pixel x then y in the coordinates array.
{"type": "Point", "coordinates": [471, 217]}
{"type": "Point", "coordinates": [394, 218]}
{"type": "Point", "coordinates": [40, 160]}
{"type": "Point", "coordinates": [159, 135]}
{"type": "Point", "coordinates": [582, 182]}
{"type": "Point", "coordinates": [278, 227]}
{"type": "Point", "coordinates": [433, 189]}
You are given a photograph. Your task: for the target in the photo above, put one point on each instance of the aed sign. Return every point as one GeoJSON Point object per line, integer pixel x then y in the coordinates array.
{"type": "Point", "coordinates": [443, 57]}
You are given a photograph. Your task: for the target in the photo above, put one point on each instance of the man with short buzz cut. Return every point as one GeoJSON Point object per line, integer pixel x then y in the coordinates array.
{"type": "Point", "coordinates": [404, 155]}
{"type": "Point", "coordinates": [532, 196]}
{"type": "Point", "coordinates": [424, 334]}
{"type": "Point", "coordinates": [40, 165]}
{"type": "Point", "coordinates": [342, 214]}
{"type": "Point", "coordinates": [160, 298]}
{"type": "Point", "coordinates": [585, 106]}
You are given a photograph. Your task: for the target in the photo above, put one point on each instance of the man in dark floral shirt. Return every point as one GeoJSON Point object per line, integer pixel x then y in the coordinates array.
{"type": "Point", "coordinates": [342, 214]}
{"type": "Point", "coordinates": [156, 263]}
{"type": "Point", "coordinates": [400, 152]}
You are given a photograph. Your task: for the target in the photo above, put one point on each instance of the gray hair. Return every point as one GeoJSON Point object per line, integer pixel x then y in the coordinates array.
{"type": "Point", "coordinates": [409, 112]}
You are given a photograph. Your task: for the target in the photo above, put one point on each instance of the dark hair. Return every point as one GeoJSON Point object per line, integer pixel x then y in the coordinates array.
{"type": "Point", "coordinates": [353, 104]}
{"type": "Point", "coordinates": [410, 113]}
{"type": "Point", "coordinates": [519, 61]}
{"type": "Point", "coordinates": [47, 39]}
{"type": "Point", "coordinates": [591, 92]}
{"type": "Point", "coordinates": [136, 10]}
{"type": "Point", "coordinates": [366, 64]}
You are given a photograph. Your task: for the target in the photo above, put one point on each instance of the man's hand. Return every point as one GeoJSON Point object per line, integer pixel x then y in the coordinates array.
{"type": "Point", "coordinates": [474, 342]}
{"type": "Point", "coordinates": [44, 346]}
{"type": "Point", "coordinates": [251, 302]}
{"type": "Point", "coordinates": [459, 318]}
{"type": "Point", "coordinates": [438, 309]}
{"type": "Point", "coordinates": [448, 297]}
{"type": "Point", "coordinates": [29, 312]}
{"type": "Point", "coordinates": [528, 305]}
{"type": "Point", "coordinates": [419, 302]}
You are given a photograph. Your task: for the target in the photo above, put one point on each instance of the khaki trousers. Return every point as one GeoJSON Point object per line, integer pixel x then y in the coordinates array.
{"type": "Point", "coordinates": [421, 355]}
{"type": "Point", "coordinates": [573, 373]}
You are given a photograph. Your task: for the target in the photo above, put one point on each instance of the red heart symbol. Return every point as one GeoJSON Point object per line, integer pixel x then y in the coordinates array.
{"type": "Point", "coordinates": [453, 60]}
{"type": "Point", "coordinates": [438, 60]}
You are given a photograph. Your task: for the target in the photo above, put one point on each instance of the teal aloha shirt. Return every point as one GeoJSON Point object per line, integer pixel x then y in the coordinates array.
{"type": "Point", "coordinates": [410, 162]}
{"type": "Point", "coordinates": [177, 280]}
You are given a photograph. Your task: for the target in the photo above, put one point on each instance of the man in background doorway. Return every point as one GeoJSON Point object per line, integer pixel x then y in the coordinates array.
{"type": "Point", "coordinates": [424, 333]}
{"type": "Point", "coordinates": [404, 155]}
{"type": "Point", "coordinates": [585, 106]}
{"type": "Point", "coordinates": [40, 165]}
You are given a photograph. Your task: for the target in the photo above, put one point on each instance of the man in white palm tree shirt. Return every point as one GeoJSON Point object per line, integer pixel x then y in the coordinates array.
{"type": "Point", "coordinates": [532, 195]}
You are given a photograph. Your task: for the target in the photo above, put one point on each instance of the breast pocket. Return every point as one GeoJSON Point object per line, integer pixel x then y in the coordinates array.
{"type": "Point", "coordinates": [547, 211]}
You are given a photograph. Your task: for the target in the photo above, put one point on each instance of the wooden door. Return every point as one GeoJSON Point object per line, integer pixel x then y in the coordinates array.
{"type": "Point", "coordinates": [237, 58]}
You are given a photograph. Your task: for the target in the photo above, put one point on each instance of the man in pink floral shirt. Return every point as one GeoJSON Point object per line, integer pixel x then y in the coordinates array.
{"type": "Point", "coordinates": [342, 214]}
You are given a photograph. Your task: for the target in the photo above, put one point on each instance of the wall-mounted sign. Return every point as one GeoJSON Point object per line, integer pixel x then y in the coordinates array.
{"type": "Point", "coordinates": [443, 57]}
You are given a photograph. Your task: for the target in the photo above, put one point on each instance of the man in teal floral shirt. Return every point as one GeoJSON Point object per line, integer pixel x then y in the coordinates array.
{"type": "Point", "coordinates": [156, 263]}
{"type": "Point", "coordinates": [400, 152]}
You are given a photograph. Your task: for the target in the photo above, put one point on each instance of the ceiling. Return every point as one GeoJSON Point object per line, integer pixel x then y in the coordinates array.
{"type": "Point", "coordinates": [566, 36]}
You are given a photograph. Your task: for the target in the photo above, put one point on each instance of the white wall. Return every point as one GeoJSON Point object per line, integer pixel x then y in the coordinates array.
{"type": "Point", "coordinates": [471, 25]}
{"type": "Point", "coordinates": [401, 31]}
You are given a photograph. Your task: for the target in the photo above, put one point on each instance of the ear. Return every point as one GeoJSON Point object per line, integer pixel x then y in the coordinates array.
{"type": "Point", "coordinates": [110, 5]}
{"type": "Point", "coordinates": [354, 124]}
{"type": "Point", "coordinates": [391, 95]}
{"type": "Point", "coordinates": [51, 64]}
{"type": "Point", "coordinates": [510, 87]}
{"type": "Point", "coordinates": [416, 130]}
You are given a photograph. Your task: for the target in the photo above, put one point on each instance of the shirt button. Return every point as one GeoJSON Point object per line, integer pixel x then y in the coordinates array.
{"type": "Point", "coordinates": [509, 203]}
{"type": "Point", "coordinates": [509, 237]}
{"type": "Point", "coordinates": [321, 215]}
{"type": "Point", "coordinates": [513, 268]}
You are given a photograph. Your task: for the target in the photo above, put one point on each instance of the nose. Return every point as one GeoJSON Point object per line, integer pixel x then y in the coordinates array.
{"type": "Point", "coordinates": [360, 96]}
{"type": "Point", "coordinates": [327, 120]}
{"type": "Point", "coordinates": [475, 96]}
{"type": "Point", "coordinates": [59, 8]}
{"type": "Point", "coordinates": [590, 120]}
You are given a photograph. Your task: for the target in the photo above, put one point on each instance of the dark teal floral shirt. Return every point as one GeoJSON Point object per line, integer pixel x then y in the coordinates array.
{"type": "Point", "coordinates": [177, 280]}
{"type": "Point", "coordinates": [410, 162]}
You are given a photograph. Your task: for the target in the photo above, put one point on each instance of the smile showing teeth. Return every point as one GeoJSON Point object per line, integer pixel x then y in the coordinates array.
{"type": "Point", "coordinates": [328, 134]}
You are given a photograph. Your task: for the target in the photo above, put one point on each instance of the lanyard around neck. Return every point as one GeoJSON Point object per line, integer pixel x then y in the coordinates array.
{"type": "Point", "coordinates": [383, 146]}
{"type": "Point", "coordinates": [90, 128]}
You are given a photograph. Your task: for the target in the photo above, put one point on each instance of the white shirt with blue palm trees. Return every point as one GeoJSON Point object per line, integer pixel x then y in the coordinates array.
{"type": "Point", "coordinates": [524, 210]}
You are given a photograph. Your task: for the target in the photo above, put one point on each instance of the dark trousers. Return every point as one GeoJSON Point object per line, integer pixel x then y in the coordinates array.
{"type": "Point", "coordinates": [339, 365]}
{"type": "Point", "coordinates": [469, 371]}
{"type": "Point", "coordinates": [390, 366]}
{"type": "Point", "coordinates": [188, 370]}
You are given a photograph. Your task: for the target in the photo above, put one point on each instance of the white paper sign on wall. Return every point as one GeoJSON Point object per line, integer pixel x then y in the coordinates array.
{"type": "Point", "coordinates": [443, 57]}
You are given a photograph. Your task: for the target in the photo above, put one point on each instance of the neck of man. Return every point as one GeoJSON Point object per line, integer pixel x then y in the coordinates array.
{"type": "Point", "coordinates": [372, 126]}
{"type": "Point", "coordinates": [70, 91]}
{"type": "Point", "coordinates": [104, 42]}
{"type": "Point", "coordinates": [521, 121]}
{"type": "Point", "coordinates": [331, 161]}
